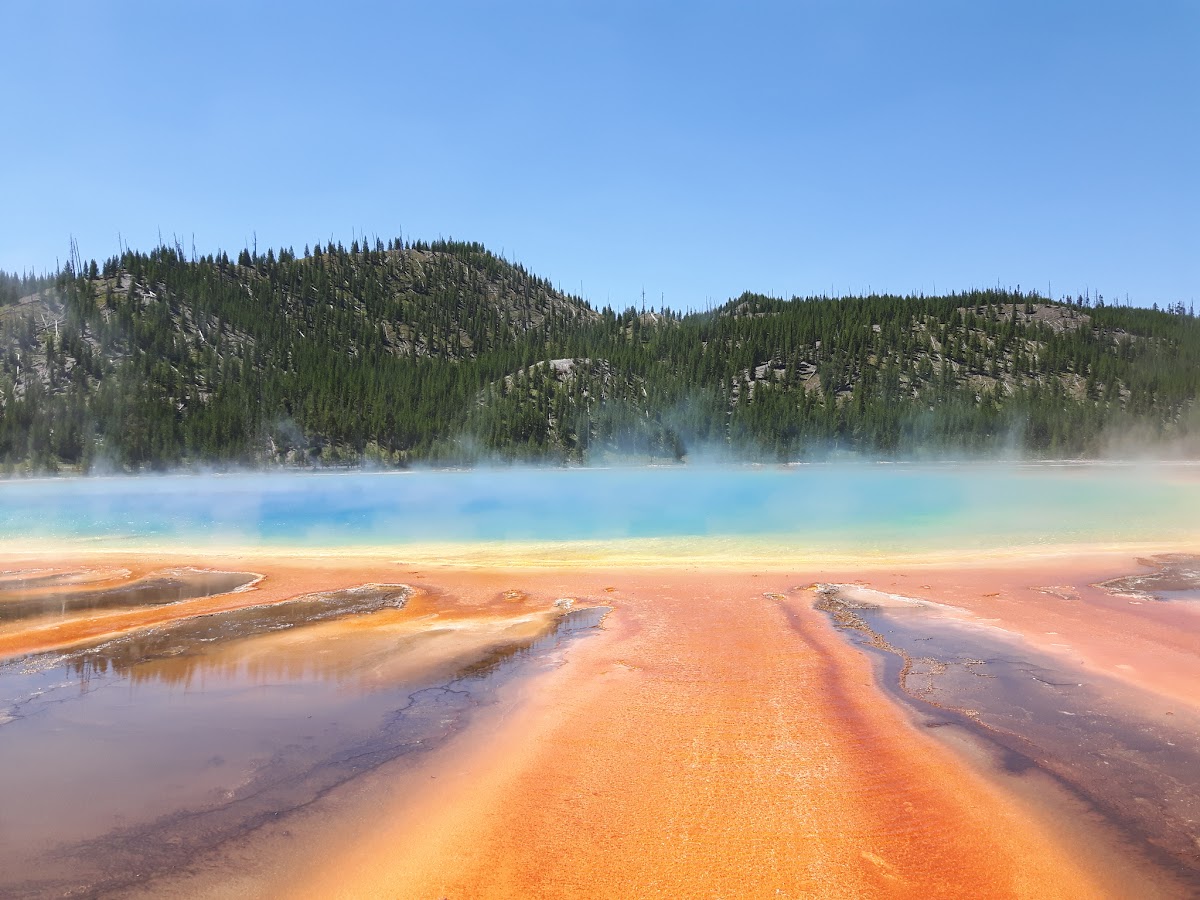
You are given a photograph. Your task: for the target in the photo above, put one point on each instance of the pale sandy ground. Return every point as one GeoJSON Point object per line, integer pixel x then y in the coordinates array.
{"type": "Point", "coordinates": [715, 738]}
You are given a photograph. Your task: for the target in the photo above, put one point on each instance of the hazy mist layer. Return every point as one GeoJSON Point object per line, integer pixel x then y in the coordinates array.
{"type": "Point", "coordinates": [869, 507]}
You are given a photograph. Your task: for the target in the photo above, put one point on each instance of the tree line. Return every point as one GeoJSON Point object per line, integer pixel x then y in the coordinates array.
{"type": "Point", "coordinates": [442, 352]}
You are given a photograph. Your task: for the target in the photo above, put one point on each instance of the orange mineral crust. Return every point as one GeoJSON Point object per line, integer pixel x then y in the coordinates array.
{"type": "Point", "coordinates": [271, 579]}
{"type": "Point", "coordinates": [715, 736]}
{"type": "Point", "coordinates": [717, 739]}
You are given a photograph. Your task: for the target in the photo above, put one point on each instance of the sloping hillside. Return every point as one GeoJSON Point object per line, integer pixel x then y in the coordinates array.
{"type": "Point", "coordinates": [444, 352]}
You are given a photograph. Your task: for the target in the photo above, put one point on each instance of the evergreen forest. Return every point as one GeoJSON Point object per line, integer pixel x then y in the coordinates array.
{"type": "Point", "coordinates": [443, 353]}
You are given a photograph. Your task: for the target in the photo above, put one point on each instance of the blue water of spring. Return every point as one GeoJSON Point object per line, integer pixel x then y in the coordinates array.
{"type": "Point", "coordinates": [844, 505]}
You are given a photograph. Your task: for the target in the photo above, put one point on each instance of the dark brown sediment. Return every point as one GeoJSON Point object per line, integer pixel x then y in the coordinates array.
{"type": "Point", "coordinates": [1174, 573]}
{"type": "Point", "coordinates": [1107, 743]}
{"type": "Point", "coordinates": [196, 636]}
{"type": "Point", "coordinates": [54, 597]}
{"type": "Point", "coordinates": [46, 577]}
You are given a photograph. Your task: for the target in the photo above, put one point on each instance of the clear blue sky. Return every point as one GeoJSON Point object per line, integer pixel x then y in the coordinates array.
{"type": "Point", "coordinates": [695, 150]}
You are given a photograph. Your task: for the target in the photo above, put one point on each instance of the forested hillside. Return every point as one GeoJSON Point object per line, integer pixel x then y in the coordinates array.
{"type": "Point", "coordinates": [445, 353]}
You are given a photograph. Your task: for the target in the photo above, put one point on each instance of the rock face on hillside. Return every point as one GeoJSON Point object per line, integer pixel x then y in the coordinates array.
{"type": "Point", "coordinates": [445, 353]}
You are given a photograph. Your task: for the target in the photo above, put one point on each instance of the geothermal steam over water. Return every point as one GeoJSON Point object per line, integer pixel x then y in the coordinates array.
{"type": "Point", "coordinates": [814, 680]}
{"type": "Point", "coordinates": [886, 507]}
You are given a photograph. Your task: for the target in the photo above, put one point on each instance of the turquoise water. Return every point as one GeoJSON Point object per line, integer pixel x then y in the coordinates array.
{"type": "Point", "coordinates": [891, 506]}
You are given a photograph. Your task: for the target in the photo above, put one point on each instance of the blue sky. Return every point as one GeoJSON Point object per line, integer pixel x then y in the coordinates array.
{"type": "Point", "coordinates": [691, 150]}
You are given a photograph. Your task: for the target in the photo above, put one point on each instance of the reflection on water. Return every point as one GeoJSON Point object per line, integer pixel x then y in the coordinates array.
{"type": "Point", "coordinates": [33, 596]}
{"type": "Point", "coordinates": [33, 579]}
{"type": "Point", "coordinates": [189, 638]}
{"type": "Point", "coordinates": [1133, 760]}
{"type": "Point", "coordinates": [117, 769]}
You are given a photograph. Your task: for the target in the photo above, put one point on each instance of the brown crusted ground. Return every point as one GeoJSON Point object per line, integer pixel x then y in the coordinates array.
{"type": "Point", "coordinates": [1058, 606]}
{"type": "Point", "coordinates": [716, 738]}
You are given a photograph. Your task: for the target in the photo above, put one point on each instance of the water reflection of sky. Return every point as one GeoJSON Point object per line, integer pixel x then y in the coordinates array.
{"type": "Point", "coordinates": [824, 503]}
{"type": "Point", "coordinates": [190, 735]}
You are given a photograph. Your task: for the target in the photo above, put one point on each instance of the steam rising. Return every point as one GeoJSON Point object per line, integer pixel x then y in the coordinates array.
{"type": "Point", "coordinates": [824, 505]}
